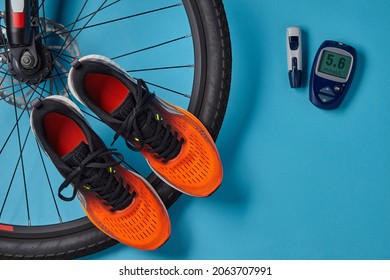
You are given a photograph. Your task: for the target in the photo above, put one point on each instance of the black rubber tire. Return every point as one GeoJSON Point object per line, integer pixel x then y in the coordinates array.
{"type": "Point", "coordinates": [209, 106]}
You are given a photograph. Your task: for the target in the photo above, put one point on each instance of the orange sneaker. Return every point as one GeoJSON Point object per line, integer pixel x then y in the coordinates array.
{"type": "Point", "coordinates": [119, 202]}
{"type": "Point", "coordinates": [174, 142]}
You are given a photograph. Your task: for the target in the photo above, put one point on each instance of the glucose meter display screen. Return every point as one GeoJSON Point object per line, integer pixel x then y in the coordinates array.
{"type": "Point", "coordinates": [335, 64]}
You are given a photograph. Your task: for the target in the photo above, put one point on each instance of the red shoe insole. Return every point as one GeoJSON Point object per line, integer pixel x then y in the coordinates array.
{"type": "Point", "coordinates": [63, 133]}
{"type": "Point", "coordinates": [106, 91]}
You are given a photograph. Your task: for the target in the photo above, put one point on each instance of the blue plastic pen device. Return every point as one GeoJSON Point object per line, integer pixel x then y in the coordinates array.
{"type": "Point", "coordinates": [294, 56]}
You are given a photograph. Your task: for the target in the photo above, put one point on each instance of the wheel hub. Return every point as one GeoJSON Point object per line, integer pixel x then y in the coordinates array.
{"type": "Point", "coordinates": [28, 69]}
{"type": "Point", "coordinates": [27, 61]}
{"type": "Point", "coordinates": [46, 74]}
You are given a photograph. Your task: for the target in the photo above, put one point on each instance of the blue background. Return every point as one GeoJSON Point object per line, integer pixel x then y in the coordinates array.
{"type": "Point", "coordinates": [300, 182]}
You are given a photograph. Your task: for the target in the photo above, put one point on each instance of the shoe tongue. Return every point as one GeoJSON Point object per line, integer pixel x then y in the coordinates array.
{"type": "Point", "coordinates": [77, 155]}
{"type": "Point", "coordinates": [147, 128]}
{"type": "Point", "coordinates": [125, 108]}
{"type": "Point", "coordinates": [74, 159]}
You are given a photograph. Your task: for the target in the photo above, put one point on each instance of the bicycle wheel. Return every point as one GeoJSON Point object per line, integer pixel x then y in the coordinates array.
{"type": "Point", "coordinates": [190, 42]}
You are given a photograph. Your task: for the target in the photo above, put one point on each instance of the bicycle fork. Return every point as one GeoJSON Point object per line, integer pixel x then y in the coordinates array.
{"type": "Point", "coordinates": [28, 60]}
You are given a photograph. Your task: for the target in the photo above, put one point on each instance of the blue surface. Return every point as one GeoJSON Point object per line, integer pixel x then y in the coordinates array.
{"type": "Point", "coordinates": [300, 183]}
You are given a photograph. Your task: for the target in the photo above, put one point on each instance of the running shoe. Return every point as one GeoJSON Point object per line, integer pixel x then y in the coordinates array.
{"type": "Point", "coordinates": [174, 142]}
{"type": "Point", "coordinates": [117, 201]}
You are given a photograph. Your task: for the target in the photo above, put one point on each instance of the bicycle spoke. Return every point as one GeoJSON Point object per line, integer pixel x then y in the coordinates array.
{"type": "Point", "coordinates": [80, 19]}
{"type": "Point", "coordinates": [63, 54]}
{"type": "Point", "coordinates": [14, 173]}
{"type": "Point", "coordinates": [41, 5]}
{"type": "Point", "coordinates": [51, 86]}
{"type": "Point", "coordinates": [50, 184]}
{"type": "Point", "coordinates": [152, 47]}
{"type": "Point", "coordinates": [122, 18]}
{"type": "Point", "coordinates": [44, 91]}
{"type": "Point", "coordinates": [4, 88]}
{"type": "Point", "coordinates": [19, 118]}
{"type": "Point", "coordinates": [67, 61]}
{"type": "Point", "coordinates": [63, 74]}
{"type": "Point", "coordinates": [79, 31]}
{"type": "Point", "coordinates": [73, 26]}
{"type": "Point", "coordinates": [167, 89]}
{"type": "Point", "coordinates": [9, 94]}
{"type": "Point", "coordinates": [160, 68]}
{"type": "Point", "coordinates": [11, 86]}
{"type": "Point", "coordinates": [62, 82]}
{"type": "Point", "coordinates": [46, 174]}
{"type": "Point", "coordinates": [91, 115]}
{"type": "Point", "coordinates": [22, 164]}
{"type": "Point", "coordinates": [2, 64]}
{"type": "Point", "coordinates": [43, 29]}
{"type": "Point", "coordinates": [6, 73]}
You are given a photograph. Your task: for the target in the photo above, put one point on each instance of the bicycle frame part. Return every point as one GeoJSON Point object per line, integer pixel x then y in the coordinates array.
{"type": "Point", "coordinates": [28, 60]}
{"type": "Point", "coordinates": [18, 22]}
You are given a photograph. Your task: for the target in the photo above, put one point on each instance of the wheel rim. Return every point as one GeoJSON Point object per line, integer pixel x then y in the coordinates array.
{"type": "Point", "coordinates": [75, 224]}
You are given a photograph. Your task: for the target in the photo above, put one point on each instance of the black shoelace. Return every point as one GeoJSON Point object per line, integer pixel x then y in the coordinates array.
{"type": "Point", "coordinates": [142, 126]}
{"type": "Point", "coordinates": [97, 174]}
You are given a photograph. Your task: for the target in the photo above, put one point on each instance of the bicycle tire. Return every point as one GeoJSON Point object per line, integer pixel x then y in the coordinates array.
{"type": "Point", "coordinates": [80, 238]}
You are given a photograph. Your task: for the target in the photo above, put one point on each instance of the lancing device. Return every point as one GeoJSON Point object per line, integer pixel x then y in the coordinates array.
{"type": "Point", "coordinates": [294, 56]}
